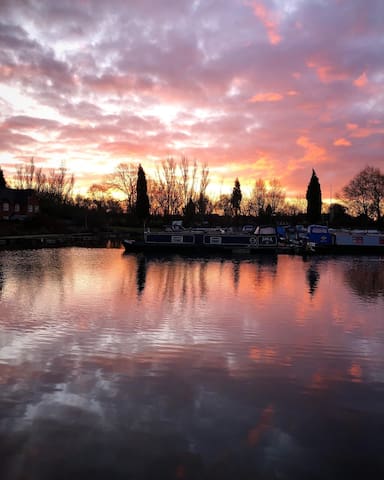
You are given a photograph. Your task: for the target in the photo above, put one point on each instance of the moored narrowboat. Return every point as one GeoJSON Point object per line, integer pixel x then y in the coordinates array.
{"type": "Point", "coordinates": [324, 240]}
{"type": "Point", "coordinates": [263, 239]}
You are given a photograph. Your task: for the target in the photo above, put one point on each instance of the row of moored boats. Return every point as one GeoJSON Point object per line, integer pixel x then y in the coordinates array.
{"type": "Point", "coordinates": [262, 239]}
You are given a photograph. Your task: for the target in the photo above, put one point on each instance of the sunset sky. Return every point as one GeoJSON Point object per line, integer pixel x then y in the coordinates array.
{"type": "Point", "coordinates": [255, 89]}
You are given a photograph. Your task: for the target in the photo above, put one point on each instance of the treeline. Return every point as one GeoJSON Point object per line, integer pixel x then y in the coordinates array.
{"type": "Point", "coordinates": [178, 189]}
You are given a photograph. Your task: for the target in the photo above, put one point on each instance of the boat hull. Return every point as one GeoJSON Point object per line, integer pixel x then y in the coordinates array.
{"type": "Point", "coordinates": [352, 242]}
{"type": "Point", "coordinates": [348, 249]}
{"type": "Point", "coordinates": [200, 242]}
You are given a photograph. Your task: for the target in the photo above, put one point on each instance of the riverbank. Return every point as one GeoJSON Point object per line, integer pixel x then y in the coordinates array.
{"type": "Point", "coordinates": [41, 240]}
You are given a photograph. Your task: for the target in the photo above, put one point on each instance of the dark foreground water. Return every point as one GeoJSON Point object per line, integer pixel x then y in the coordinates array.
{"type": "Point", "coordinates": [126, 367]}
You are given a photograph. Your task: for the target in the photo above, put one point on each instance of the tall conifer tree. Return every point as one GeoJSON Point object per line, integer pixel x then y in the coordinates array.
{"type": "Point", "coordinates": [142, 200]}
{"type": "Point", "coordinates": [3, 183]}
{"type": "Point", "coordinates": [236, 197]}
{"type": "Point", "coordinates": [313, 199]}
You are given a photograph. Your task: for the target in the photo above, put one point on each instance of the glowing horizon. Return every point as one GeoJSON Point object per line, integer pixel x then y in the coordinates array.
{"type": "Point", "coordinates": [254, 89]}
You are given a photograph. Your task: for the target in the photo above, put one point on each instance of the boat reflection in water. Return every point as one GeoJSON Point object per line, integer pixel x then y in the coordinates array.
{"type": "Point", "coordinates": [128, 366]}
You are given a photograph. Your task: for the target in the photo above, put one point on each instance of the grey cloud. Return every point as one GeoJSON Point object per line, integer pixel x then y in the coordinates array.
{"type": "Point", "coordinates": [107, 63]}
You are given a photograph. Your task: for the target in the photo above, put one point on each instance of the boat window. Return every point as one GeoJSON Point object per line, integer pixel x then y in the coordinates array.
{"type": "Point", "coordinates": [319, 230]}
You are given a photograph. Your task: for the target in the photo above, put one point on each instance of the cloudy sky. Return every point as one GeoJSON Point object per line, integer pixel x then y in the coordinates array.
{"type": "Point", "coordinates": [254, 88]}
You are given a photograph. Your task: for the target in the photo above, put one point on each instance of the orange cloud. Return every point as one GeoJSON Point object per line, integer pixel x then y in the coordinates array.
{"type": "Point", "coordinates": [342, 142]}
{"type": "Point", "coordinates": [327, 73]}
{"type": "Point", "coordinates": [314, 153]}
{"type": "Point", "coordinates": [361, 81]}
{"type": "Point", "coordinates": [269, 23]}
{"type": "Point", "coordinates": [352, 126]}
{"type": "Point", "coordinates": [366, 132]}
{"type": "Point", "coordinates": [267, 97]}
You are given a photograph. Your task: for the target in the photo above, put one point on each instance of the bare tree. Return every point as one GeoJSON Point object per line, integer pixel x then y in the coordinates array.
{"type": "Point", "coordinates": [275, 195]}
{"type": "Point", "coordinates": [56, 184]}
{"type": "Point", "coordinates": [25, 175]}
{"type": "Point", "coordinates": [176, 183]}
{"type": "Point", "coordinates": [153, 194]}
{"type": "Point", "coordinates": [258, 198]}
{"type": "Point", "coordinates": [98, 193]}
{"type": "Point", "coordinates": [204, 179]}
{"type": "Point", "coordinates": [296, 206]}
{"type": "Point", "coordinates": [187, 179]}
{"type": "Point", "coordinates": [223, 204]}
{"type": "Point", "coordinates": [124, 180]}
{"type": "Point", "coordinates": [170, 192]}
{"type": "Point", "coordinates": [59, 184]}
{"type": "Point", "coordinates": [203, 200]}
{"type": "Point", "coordinates": [40, 180]}
{"type": "Point", "coordinates": [184, 173]}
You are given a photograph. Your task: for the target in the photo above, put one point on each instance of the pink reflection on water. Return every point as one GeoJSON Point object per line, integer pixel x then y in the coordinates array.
{"type": "Point", "coordinates": [237, 314]}
{"type": "Point", "coordinates": [259, 355]}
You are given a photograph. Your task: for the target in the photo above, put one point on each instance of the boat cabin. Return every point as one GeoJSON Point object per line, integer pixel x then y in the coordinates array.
{"type": "Point", "coordinates": [319, 235]}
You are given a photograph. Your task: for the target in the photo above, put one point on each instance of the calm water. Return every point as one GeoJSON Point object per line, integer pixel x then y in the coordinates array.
{"type": "Point", "coordinates": [125, 367]}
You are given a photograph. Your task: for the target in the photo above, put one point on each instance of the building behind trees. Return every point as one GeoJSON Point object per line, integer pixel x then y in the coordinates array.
{"type": "Point", "coordinates": [179, 191]}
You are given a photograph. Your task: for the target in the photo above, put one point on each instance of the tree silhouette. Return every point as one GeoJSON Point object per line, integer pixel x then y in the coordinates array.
{"type": "Point", "coordinates": [124, 179]}
{"type": "Point", "coordinates": [3, 183]}
{"type": "Point", "coordinates": [365, 193]}
{"type": "Point", "coordinates": [189, 212]}
{"type": "Point", "coordinates": [313, 199]}
{"type": "Point", "coordinates": [236, 197]}
{"type": "Point", "coordinates": [258, 197]}
{"type": "Point", "coordinates": [142, 200]}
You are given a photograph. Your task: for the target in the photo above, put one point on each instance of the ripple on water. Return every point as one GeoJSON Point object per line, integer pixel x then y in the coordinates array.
{"type": "Point", "coordinates": [243, 362]}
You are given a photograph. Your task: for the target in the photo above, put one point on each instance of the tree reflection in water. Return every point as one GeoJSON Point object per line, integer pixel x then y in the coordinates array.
{"type": "Point", "coordinates": [123, 366]}
{"type": "Point", "coordinates": [365, 276]}
{"type": "Point", "coordinates": [141, 273]}
{"type": "Point", "coordinates": [313, 277]}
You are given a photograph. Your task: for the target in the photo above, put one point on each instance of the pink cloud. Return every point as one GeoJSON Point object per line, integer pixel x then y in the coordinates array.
{"type": "Point", "coordinates": [361, 81]}
{"type": "Point", "coordinates": [342, 142]}
{"type": "Point", "coordinates": [98, 81]}
{"type": "Point", "coordinates": [314, 153]}
{"type": "Point", "coordinates": [267, 19]}
{"type": "Point", "coordinates": [267, 97]}
{"type": "Point", "coordinates": [367, 132]}
{"type": "Point", "coordinates": [327, 73]}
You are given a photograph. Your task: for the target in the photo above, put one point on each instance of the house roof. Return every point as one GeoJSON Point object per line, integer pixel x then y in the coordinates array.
{"type": "Point", "coordinates": [14, 195]}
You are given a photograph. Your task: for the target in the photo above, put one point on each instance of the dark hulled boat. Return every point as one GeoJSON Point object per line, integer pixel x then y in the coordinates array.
{"type": "Point", "coordinates": [263, 239]}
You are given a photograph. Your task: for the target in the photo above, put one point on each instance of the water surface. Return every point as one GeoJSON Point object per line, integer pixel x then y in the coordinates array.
{"type": "Point", "coordinates": [128, 367]}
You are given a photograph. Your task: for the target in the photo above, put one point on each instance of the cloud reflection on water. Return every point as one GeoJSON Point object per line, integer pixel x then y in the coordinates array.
{"type": "Point", "coordinates": [137, 365]}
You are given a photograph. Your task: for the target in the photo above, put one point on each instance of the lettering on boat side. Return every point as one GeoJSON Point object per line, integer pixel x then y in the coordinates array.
{"type": "Point", "coordinates": [215, 240]}
{"type": "Point", "coordinates": [267, 240]}
{"type": "Point", "coordinates": [177, 239]}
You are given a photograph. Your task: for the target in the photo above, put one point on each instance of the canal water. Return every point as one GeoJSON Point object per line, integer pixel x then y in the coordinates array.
{"type": "Point", "coordinates": [116, 366]}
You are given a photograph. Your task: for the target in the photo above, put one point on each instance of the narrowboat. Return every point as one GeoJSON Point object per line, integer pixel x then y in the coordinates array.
{"type": "Point", "coordinates": [179, 240]}
{"type": "Point", "coordinates": [321, 239]}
